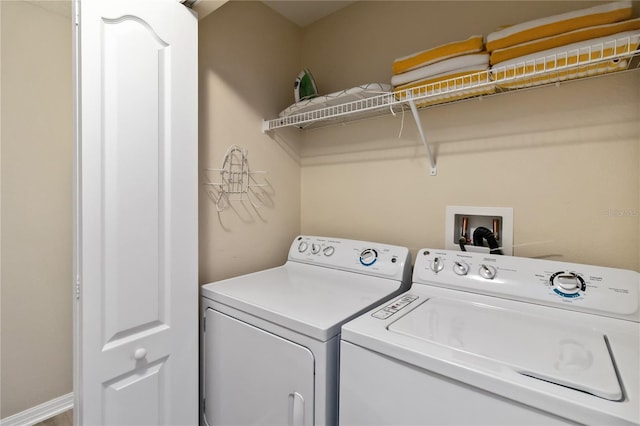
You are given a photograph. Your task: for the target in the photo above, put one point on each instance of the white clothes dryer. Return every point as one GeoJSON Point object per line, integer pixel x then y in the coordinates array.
{"type": "Point", "coordinates": [497, 340]}
{"type": "Point", "coordinates": [270, 340]}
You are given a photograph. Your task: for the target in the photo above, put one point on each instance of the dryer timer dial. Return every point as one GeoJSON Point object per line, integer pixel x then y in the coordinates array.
{"type": "Point", "coordinates": [368, 257]}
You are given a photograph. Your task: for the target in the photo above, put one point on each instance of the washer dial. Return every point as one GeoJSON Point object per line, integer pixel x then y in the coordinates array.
{"type": "Point", "coordinates": [368, 257]}
{"type": "Point", "coordinates": [487, 272]}
{"type": "Point", "coordinates": [437, 265]}
{"type": "Point", "coordinates": [302, 247]}
{"type": "Point", "coordinates": [328, 250]}
{"type": "Point", "coordinates": [460, 268]}
{"type": "Point", "coordinates": [567, 283]}
{"type": "Point", "coordinates": [315, 248]}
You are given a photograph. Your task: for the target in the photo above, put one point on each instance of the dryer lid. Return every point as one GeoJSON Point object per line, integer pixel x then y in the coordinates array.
{"type": "Point", "coordinates": [566, 354]}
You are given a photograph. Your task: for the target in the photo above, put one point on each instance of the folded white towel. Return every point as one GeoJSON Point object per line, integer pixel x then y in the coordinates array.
{"type": "Point", "coordinates": [442, 67]}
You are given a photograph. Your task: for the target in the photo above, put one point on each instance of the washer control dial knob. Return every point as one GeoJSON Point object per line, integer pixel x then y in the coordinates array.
{"type": "Point", "coordinates": [487, 272]}
{"type": "Point", "coordinates": [368, 257]}
{"type": "Point", "coordinates": [302, 247]}
{"type": "Point", "coordinates": [315, 248]}
{"type": "Point", "coordinates": [437, 265]}
{"type": "Point", "coordinates": [567, 282]}
{"type": "Point", "coordinates": [328, 251]}
{"type": "Point", "coordinates": [460, 268]}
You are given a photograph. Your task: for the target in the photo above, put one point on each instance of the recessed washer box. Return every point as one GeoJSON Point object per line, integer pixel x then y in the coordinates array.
{"type": "Point", "coordinates": [497, 219]}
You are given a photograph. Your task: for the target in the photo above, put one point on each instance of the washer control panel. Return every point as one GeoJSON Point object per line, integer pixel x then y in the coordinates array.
{"type": "Point", "coordinates": [586, 288]}
{"type": "Point", "coordinates": [371, 258]}
{"type": "Point", "coordinates": [394, 306]}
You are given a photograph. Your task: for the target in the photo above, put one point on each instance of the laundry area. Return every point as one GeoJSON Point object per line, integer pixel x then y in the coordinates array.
{"type": "Point", "coordinates": [533, 159]}
{"type": "Point", "coordinates": [553, 154]}
{"type": "Point", "coordinates": [394, 205]}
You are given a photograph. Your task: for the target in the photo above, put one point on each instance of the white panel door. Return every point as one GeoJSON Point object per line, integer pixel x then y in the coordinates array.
{"type": "Point", "coordinates": [136, 313]}
{"type": "Point", "coordinates": [253, 377]}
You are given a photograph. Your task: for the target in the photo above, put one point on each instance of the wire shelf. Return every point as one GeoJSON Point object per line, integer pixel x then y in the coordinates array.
{"type": "Point", "coordinates": [595, 60]}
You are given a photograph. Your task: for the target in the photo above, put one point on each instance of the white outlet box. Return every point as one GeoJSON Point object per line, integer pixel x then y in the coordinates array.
{"type": "Point", "coordinates": [500, 218]}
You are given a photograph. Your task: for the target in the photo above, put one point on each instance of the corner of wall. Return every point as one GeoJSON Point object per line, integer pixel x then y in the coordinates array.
{"type": "Point", "coordinates": [249, 57]}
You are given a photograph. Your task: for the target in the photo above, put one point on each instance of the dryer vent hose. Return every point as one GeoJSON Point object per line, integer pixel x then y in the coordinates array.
{"type": "Point", "coordinates": [482, 233]}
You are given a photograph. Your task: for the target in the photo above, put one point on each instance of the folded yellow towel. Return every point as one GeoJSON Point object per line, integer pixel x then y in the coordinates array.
{"type": "Point", "coordinates": [453, 86]}
{"type": "Point", "coordinates": [558, 24]}
{"type": "Point", "coordinates": [567, 62]}
{"type": "Point", "coordinates": [560, 75]}
{"type": "Point", "coordinates": [471, 45]}
{"type": "Point", "coordinates": [564, 39]}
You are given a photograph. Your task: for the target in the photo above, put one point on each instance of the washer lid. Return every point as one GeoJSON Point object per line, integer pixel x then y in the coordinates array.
{"type": "Point", "coordinates": [566, 354]}
{"type": "Point", "coordinates": [311, 300]}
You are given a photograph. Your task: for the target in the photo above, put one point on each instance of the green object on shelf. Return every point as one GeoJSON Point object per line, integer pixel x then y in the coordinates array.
{"type": "Point", "coordinates": [304, 86]}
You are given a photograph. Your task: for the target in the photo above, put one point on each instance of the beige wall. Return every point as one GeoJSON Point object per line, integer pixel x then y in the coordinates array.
{"type": "Point", "coordinates": [561, 156]}
{"type": "Point", "coordinates": [566, 158]}
{"type": "Point", "coordinates": [36, 363]}
{"type": "Point", "coordinates": [358, 44]}
{"type": "Point", "coordinates": [249, 58]}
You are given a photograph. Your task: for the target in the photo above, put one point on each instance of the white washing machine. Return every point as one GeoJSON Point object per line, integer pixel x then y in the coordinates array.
{"type": "Point", "coordinates": [270, 339]}
{"type": "Point", "coordinates": [496, 340]}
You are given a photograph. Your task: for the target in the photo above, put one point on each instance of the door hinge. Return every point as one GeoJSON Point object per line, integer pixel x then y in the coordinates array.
{"type": "Point", "coordinates": [189, 3]}
{"type": "Point", "coordinates": [76, 13]}
{"type": "Point", "coordinates": [77, 288]}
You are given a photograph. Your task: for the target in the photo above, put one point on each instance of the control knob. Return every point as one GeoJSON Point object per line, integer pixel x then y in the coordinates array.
{"type": "Point", "coordinates": [368, 257]}
{"type": "Point", "coordinates": [302, 247]}
{"type": "Point", "coordinates": [567, 281]}
{"type": "Point", "coordinates": [460, 268]}
{"type": "Point", "coordinates": [315, 248]}
{"type": "Point", "coordinates": [487, 272]}
{"type": "Point", "coordinates": [437, 265]}
{"type": "Point", "coordinates": [328, 250]}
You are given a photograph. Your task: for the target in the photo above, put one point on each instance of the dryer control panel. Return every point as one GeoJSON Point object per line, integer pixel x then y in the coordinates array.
{"type": "Point", "coordinates": [585, 288]}
{"type": "Point", "coordinates": [383, 260]}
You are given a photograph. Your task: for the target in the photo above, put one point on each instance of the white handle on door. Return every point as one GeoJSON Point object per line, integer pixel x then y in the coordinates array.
{"type": "Point", "coordinates": [140, 353]}
{"type": "Point", "coordinates": [296, 409]}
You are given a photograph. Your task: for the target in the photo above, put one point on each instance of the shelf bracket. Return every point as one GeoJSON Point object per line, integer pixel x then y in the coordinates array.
{"type": "Point", "coordinates": [432, 160]}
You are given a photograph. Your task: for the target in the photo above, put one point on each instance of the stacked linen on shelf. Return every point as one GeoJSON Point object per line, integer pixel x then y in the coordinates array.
{"type": "Point", "coordinates": [552, 49]}
{"type": "Point", "coordinates": [444, 73]}
{"type": "Point", "coordinates": [582, 59]}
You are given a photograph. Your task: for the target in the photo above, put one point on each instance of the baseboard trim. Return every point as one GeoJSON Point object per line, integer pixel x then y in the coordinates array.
{"type": "Point", "coordinates": [40, 412]}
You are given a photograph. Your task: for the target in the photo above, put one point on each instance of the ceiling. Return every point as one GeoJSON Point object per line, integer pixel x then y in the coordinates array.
{"type": "Point", "coordinates": [306, 12]}
{"type": "Point", "coordinates": [300, 12]}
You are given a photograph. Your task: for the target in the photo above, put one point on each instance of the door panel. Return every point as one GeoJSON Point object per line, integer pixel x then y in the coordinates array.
{"type": "Point", "coordinates": [253, 377]}
{"type": "Point", "coordinates": [124, 393]}
{"type": "Point", "coordinates": [134, 79]}
{"type": "Point", "coordinates": [136, 315]}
